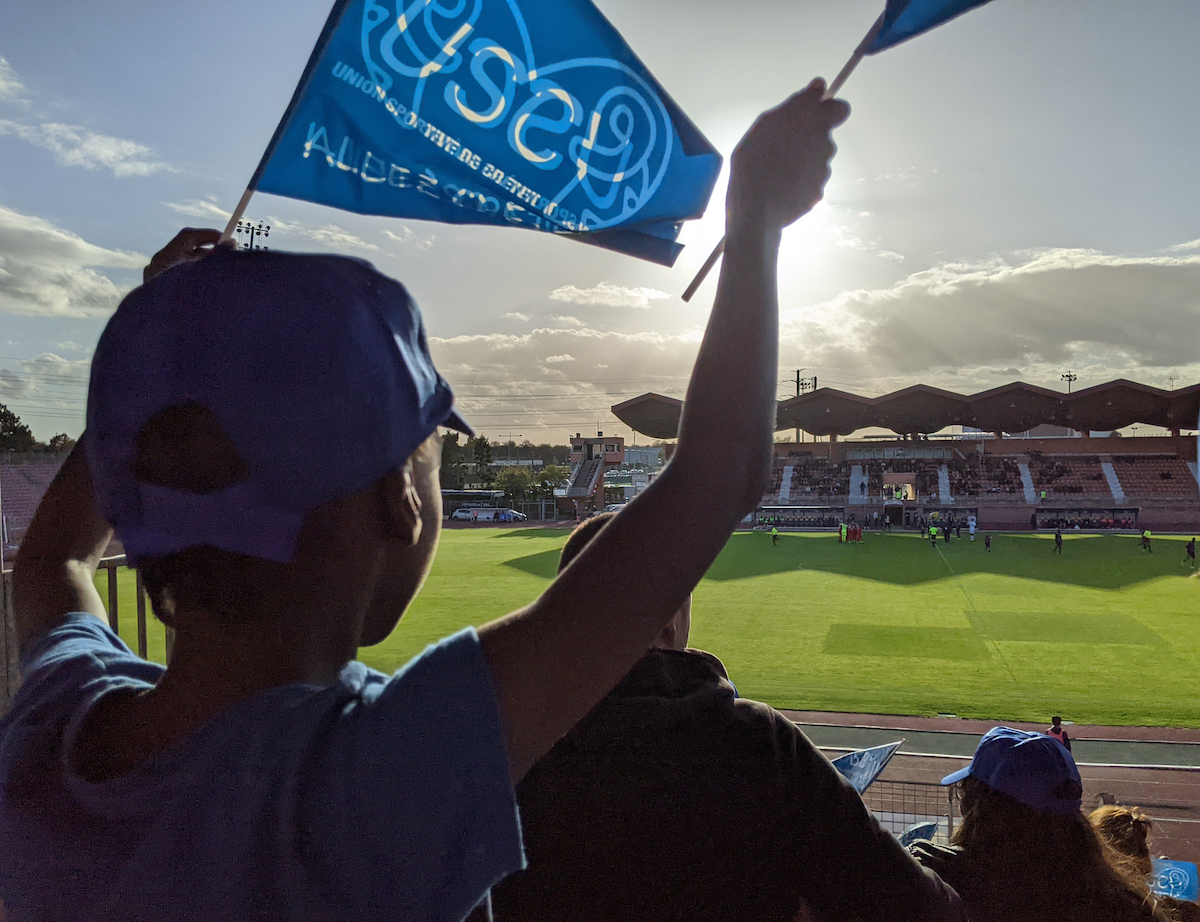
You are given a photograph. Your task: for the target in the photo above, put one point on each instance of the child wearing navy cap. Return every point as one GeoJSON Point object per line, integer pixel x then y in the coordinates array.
{"type": "Point", "coordinates": [262, 434]}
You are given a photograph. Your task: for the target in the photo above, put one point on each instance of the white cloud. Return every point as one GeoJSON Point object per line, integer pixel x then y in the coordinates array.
{"type": "Point", "coordinates": [608, 294]}
{"type": "Point", "coordinates": [844, 236]}
{"type": "Point", "coordinates": [330, 235]}
{"type": "Point", "coordinates": [207, 208]}
{"type": "Point", "coordinates": [1053, 306]}
{"type": "Point", "coordinates": [408, 237]}
{"type": "Point", "coordinates": [518, 316]}
{"type": "Point", "coordinates": [74, 145]}
{"type": "Point", "coordinates": [1185, 247]}
{"type": "Point", "coordinates": [55, 382]}
{"type": "Point", "coordinates": [70, 346]}
{"type": "Point", "coordinates": [10, 86]}
{"type": "Point", "coordinates": [494, 375]}
{"type": "Point", "coordinates": [48, 271]}
{"type": "Point", "coordinates": [566, 320]}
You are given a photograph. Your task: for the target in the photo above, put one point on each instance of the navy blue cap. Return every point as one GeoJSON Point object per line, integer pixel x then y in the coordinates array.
{"type": "Point", "coordinates": [315, 366]}
{"type": "Point", "coordinates": [1032, 768]}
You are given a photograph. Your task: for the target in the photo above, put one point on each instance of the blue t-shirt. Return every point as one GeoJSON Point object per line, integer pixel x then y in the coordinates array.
{"type": "Point", "coordinates": [375, 798]}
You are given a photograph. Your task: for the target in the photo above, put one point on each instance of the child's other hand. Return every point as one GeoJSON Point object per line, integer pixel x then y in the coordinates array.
{"type": "Point", "coordinates": [189, 244]}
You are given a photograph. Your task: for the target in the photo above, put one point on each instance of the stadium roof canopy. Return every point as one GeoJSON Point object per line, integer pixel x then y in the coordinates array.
{"type": "Point", "coordinates": [921, 409]}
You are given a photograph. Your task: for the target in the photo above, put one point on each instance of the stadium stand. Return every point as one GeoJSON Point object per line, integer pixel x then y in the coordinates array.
{"type": "Point", "coordinates": [1069, 475]}
{"type": "Point", "coordinates": [1161, 477]}
{"type": "Point", "coordinates": [996, 452]}
{"type": "Point", "coordinates": [23, 480]}
{"type": "Point", "coordinates": [584, 481]}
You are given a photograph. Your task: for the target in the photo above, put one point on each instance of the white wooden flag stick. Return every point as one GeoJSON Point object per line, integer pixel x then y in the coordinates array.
{"type": "Point", "coordinates": [843, 75]}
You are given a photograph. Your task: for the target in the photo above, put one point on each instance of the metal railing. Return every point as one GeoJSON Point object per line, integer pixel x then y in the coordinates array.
{"type": "Point", "coordinates": [110, 565]}
{"type": "Point", "coordinates": [900, 804]}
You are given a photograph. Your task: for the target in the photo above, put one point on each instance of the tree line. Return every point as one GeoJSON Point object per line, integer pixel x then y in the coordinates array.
{"type": "Point", "coordinates": [15, 436]}
{"type": "Point", "coordinates": [520, 484]}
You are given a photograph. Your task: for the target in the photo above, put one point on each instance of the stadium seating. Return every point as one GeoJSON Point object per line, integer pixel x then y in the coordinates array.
{"type": "Point", "coordinates": [23, 481]}
{"type": "Point", "coordinates": [1155, 477]}
{"type": "Point", "coordinates": [819, 477]}
{"type": "Point", "coordinates": [1069, 476]}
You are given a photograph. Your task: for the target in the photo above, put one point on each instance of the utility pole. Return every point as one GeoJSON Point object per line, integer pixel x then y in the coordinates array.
{"type": "Point", "coordinates": [1172, 379]}
{"type": "Point", "coordinates": [1070, 377]}
{"type": "Point", "coordinates": [509, 438]}
{"type": "Point", "coordinates": [803, 385]}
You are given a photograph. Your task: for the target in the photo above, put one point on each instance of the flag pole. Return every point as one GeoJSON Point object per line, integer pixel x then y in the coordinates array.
{"type": "Point", "coordinates": [843, 75]}
{"type": "Point", "coordinates": [237, 214]}
{"type": "Point", "coordinates": [331, 24]}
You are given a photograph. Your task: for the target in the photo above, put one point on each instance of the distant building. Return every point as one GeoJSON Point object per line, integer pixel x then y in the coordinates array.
{"type": "Point", "coordinates": [643, 455]}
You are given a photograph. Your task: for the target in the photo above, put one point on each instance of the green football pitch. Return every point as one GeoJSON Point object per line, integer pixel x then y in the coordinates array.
{"type": "Point", "coordinates": [1104, 633]}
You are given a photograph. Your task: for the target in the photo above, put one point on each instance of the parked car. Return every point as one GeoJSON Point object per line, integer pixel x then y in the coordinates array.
{"type": "Point", "coordinates": [463, 515]}
{"type": "Point", "coordinates": [614, 507]}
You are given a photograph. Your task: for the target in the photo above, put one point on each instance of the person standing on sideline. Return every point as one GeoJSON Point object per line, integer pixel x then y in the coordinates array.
{"type": "Point", "coordinates": [987, 543]}
{"type": "Point", "coordinates": [1190, 550]}
{"type": "Point", "coordinates": [946, 533]}
{"type": "Point", "coordinates": [774, 536]}
{"type": "Point", "coordinates": [971, 527]}
{"type": "Point", "coordinates": [1056, 731]}
{"type": "Point", "coordinates": [1146, 536]}
{"type": "Point", "coordinates": [1058, 541]}
{"type": "Point", "coordinates": [842, 532]}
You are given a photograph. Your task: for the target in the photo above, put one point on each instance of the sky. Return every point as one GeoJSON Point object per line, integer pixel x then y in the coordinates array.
{"type": "Point", "coordinates": [1015, 196]}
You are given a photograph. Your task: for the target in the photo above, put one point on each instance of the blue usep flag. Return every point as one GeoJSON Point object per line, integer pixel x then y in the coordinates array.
{"type": "Point", "coordinates": [525, 113]}
{"type": "Point", "coordinates": [863, 766]}
{"type": "Point", "coordinates": [902, 19]}
{"type": "Point", "coordinates": [1175, 878]}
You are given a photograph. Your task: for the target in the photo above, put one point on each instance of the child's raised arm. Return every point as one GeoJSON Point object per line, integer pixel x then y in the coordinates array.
{"type": "Point", "coordinates": [553, 660]}
{"type": "Point", "coordinates": [56, 565]}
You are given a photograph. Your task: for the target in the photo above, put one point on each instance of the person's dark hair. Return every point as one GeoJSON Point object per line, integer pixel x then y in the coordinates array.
{"type": "Point", "coordinates": [184, 447]}
{"type": "Point", "coordinates": [582, 536]}
{"type": "Point", "coordinates": [1052, 866]}
{"type": "Point", "coordinates": [1056, 719]}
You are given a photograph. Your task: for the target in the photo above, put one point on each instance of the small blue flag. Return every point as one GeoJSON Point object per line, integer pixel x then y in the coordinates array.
{"type": "Point", "coordinates": [924, 829]}
{"type": "Point", "coordinates": [1178, 879]}
{"type": "Point", "coordinates": [521, 113]}
{"type": "Point", "coordinates": [904, 19]}
{"type": "Point", "coordinates": [863, 766]}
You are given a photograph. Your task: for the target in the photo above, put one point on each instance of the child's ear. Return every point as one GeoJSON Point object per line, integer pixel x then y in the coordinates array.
{"type": "Point", "coordinates": [401, 505]}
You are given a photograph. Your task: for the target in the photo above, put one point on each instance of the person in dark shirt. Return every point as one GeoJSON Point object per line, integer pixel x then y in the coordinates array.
{"type": "Point", "coordinates": [1190, 550]}
{"type": "Point", "coordinates": [1058, 541]}
{"type": "Point", "coordinates": [676, 799]}
{"type": "Point", "coordinates": [1024, 852]}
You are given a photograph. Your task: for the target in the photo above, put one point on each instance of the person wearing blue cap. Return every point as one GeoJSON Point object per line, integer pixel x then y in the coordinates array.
{"type": "Point", "coordinates": [1024, 852]}
{"type": "Point", "coordinates": [262, 434]}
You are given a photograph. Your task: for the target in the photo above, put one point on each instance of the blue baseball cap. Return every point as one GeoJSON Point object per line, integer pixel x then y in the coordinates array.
{"type": "Point", "coordinates": [1032, 768]}
{"type": "Point", "coordinates": [315, 366]}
